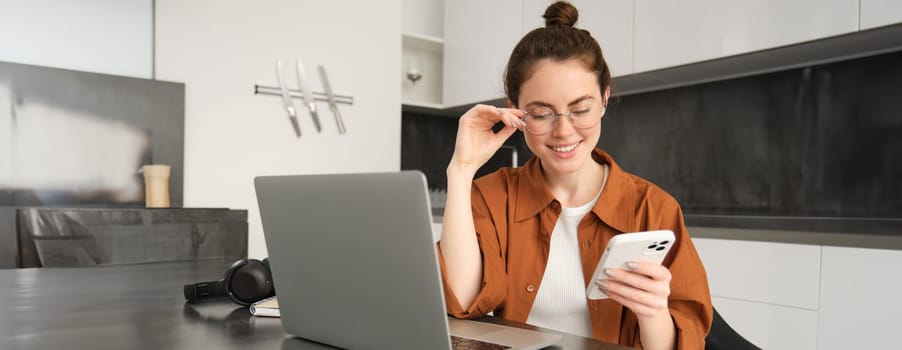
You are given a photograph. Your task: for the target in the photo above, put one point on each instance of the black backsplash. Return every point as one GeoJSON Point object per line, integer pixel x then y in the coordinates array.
{"type": "Point", "coordinates": [818, 141]}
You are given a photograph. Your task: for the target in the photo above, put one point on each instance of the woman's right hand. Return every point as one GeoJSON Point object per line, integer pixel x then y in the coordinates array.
{"type": "Point", "coordinates": [476, 142]}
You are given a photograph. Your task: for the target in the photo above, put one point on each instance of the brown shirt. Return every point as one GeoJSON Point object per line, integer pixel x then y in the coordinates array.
{"type": "Point", "coordinates": [515, 213]}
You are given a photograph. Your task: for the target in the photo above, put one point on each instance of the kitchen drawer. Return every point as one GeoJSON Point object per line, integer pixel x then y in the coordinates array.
{"type": "Point", "coordinates": [860, 290]}
{"type": "Point", "coordinates": [770, 326]}
{"type": "Point", "coordinates": [775, 273]}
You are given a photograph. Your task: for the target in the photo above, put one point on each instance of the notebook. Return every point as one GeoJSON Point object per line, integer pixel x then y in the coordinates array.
{"type": "Point", "coordinates": [268, 307]}
{"type": "Point", "coordinates": [354, 264]}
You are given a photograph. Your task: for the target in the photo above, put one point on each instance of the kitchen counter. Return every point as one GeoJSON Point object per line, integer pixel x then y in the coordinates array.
{"type": "Point", "coordinates": [836, 239]}
{"type": "Point", "coordinates": [876, 233]}
{"type": "Point", "coordinates": [837, 232]}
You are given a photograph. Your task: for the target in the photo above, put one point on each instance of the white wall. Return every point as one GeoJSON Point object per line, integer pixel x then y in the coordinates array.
{"type": "Point", "coordinates": [100, 36]}
{"type": "Point", "coordinates": [220, 49]}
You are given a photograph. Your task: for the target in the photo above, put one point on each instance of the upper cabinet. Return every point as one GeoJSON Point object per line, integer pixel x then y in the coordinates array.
{"type": "Point", "coordinates": [877, 13]}
{"type": "Point", "coordinates": [670, 33]}
{"type": "Point", "coordinates": [421, 54]}
{"type": "Point", "coordinates": [639, 36]}
{"type": "Point", "coordinates": [479, 37]}
{"type": "Point", "coordinates": [609, 21]}
{"type": "Point", "coordinates": [423, 18]}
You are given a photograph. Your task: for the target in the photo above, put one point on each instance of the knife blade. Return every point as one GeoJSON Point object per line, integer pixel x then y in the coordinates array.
{"type": "Point", "coordinates": [286, 100]}
{"type": "Point", "coordinates": [332, 105]}
{"type": "Point", "coordinates": [307, 91]}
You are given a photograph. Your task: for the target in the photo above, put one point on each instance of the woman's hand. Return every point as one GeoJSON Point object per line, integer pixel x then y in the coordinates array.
{"type": "Point", "coordinates": [643, 288]}
{"type": "Point", "coordinates": [476, 142]}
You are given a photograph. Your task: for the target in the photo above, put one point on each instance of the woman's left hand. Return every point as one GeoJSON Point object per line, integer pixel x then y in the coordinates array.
{"type": "Point", "coordinates": [643, 288]}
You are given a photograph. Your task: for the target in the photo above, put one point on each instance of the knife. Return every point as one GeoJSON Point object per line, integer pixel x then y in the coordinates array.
{"type": "Point", "coordinates": [307, 91]}
{"type": "Point", "coordinates": [332, 105]}
{"type": "Point", "coordinates": [286, 100]}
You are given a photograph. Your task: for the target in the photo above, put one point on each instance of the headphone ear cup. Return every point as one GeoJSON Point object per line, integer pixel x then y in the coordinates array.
{"type": "Point", "coordinates": [265, 262]}
{"type": "Point", "coordinates": [249, 282]}
{"type": "Point", "coordinates": [269, 271]}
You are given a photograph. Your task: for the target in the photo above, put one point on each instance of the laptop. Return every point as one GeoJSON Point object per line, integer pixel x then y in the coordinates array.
{"type": "Point", "coordinates": [354, 264]}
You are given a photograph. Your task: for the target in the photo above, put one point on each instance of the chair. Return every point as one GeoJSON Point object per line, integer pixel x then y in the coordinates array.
{"type": "Point", "coordinates": [723, 337]}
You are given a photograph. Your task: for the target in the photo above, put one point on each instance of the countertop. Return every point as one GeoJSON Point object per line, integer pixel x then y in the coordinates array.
{"type": "Point", "coordinates": [884, 233]}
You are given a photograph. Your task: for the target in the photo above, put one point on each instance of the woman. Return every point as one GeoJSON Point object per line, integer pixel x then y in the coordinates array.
{"type": "Point", "coordinates": [524, 242]}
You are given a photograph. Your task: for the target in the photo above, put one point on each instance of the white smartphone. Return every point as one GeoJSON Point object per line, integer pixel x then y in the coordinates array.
{"type": "Point", "coordinates": [651, 246]}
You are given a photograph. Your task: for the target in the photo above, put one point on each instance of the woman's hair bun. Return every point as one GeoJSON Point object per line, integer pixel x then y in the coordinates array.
{"type": "Point", "coordinates": [560, 13]}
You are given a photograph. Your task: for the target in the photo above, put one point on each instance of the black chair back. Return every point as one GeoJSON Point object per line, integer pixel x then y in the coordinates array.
{"type": "Point", "coordinates": [723, 337]}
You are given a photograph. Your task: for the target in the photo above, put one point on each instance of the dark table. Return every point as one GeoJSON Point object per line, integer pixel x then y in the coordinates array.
{"type": "Point", "coordinates": [142, 307]}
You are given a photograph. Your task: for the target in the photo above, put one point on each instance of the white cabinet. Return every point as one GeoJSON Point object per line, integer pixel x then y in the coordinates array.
{"type": "Point", "coordinates": [860, 298]}
{"type": "Point", "coordinates": [479, 37]}
{"type": "Point", "coordinates": [422, 51]}
{"type": "Point", "coordinates": [795, 296]}
{"type": "Point", "coordinates": [423, 17]}
{"type": "Point", "coordinates": [436, 231]}
{"type": "Point", "coordinates": [768, 326]}
{"type": "Point", "coordinates": [876, 13]}
{"type": "Point", "coordinates": [421, 70]}
{"type": "Point", "coordinates": [768, 292]}
{"type": "Point", "coordinates": [99, 36]}
{"type": "Point", "coordinates": [670, 33]}
{"type": "Point", "coordinates": [609, 21]}
{"type": "Point", "coordinates": [773, 273]}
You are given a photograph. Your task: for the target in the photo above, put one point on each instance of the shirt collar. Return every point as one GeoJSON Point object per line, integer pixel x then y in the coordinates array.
{"type": "Point", "coordinates": [533, 194]}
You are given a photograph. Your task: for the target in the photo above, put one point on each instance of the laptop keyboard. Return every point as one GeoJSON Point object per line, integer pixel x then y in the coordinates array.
{"type": "Point", "coordinates": [460, 343]}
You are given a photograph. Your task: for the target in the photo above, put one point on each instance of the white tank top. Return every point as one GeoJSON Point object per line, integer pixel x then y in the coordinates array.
{"type": "Point", "coordinates": [561, 302]}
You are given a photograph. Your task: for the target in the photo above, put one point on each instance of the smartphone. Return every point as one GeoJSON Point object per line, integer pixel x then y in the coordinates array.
{"type": "Point", "coordinates": [651, 246]}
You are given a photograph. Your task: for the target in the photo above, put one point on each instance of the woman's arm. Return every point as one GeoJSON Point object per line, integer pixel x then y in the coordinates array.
{"type": "Point", "coordinates": [475, 144]}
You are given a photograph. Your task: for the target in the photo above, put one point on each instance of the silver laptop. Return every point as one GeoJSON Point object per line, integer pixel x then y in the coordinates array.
{"type": "Point", "coordinates": [354, 264]}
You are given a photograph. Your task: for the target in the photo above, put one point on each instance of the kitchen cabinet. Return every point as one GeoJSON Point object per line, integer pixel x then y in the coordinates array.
{"type": "Point", "coordinates": [437, 231]}
{"type": "Point", "coordinates": [423, 17]}
{"type": "Point", "coordinates": [609, 21]}
{"type": "Point", "coordinates": [422, 47]}
{"type": "Point", "coordinates": [876, 13]}
{"type": "Point", "coordinates": [768, 292]}
{"type": "Point", "coordinates": [804, 296]}
{"type": "Point", "coordinates": [479, 37]}
{"type": "Point", "coordinates": [772, 327]}
{"type": "Point", "coordinates": [859, 290]}
{"type": "Point", "coordinates": [478, 43]}
{"type": "Point", "coordinates": [421, 70]}
{"type": "Point", "coordinates": [672, 33]}
{"type": "Point", "coordinates": [750, 271]}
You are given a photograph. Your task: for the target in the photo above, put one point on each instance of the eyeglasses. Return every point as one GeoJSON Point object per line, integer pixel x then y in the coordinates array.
{"type": "Point", "coordinates": [540, 120]}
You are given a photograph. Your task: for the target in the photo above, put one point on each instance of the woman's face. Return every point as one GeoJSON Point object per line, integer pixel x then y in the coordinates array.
{"type": "Point", "coordinates": [563, 86]}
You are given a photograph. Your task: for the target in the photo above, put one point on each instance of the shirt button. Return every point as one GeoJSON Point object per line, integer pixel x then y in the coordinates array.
{"type": "Point", "coordinates": [586, 244]}
{"type": "Point", "coordinates": [530, 288]}
{"type": "Point", "coordinates": [554, 205]}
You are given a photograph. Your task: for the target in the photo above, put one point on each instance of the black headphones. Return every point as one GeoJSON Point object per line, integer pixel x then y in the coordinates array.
{"type": "Point", "coordinates": [246, 281]}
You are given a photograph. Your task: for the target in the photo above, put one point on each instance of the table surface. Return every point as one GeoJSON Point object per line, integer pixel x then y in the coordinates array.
{"type": "Point", "coordinates": [142, 307]}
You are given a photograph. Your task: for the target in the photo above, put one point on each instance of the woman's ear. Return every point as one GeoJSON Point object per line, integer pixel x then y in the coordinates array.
{"type": "Point", "coordinates": [607, 94]}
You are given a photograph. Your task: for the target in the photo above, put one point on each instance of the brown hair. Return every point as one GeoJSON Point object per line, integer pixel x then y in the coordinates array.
{"type": "Point", "coordinates": [559, 41]}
